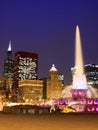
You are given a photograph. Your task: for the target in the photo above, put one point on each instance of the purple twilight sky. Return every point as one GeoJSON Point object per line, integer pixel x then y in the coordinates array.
{"type": "Point", "coordinates": [47, 27]}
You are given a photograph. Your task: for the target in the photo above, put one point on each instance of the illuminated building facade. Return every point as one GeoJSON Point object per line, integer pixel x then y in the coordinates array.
{"type": "Point", "coordinates": [91, 71]}
{"type": "Point", "coordinates": [61, 77]}
{"type": "Point", "coordinates": [2, 89]}
{"type": "Point", "coordinates": [44, 88]}
{"type": "Point", "coordinates": [54, 85]}
{"type": "Point", "coordinates": [30, 91]}
{"type": "Point", "coordinates": [2, 83]}
{"type": "Point", "coordinates": [26, 67]}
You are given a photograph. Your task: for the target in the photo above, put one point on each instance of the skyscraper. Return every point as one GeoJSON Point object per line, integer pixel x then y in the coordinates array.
{"type": "Point", "coordinates": [26, 67]}
{"type": "Point", "coordinates": [8, 73]}
{"type": "Point", "coordinates": [91, 71]}
{"type": "Point", "coordinates": [8, 64]}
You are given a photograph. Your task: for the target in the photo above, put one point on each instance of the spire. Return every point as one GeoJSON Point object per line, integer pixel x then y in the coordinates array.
{"type": "Point", "coordinates": [53, 68]}
{"type": "Point", "coordinates": [9, 47]}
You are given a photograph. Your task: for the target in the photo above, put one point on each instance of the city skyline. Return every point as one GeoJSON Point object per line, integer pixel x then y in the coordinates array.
{"type": "Point", "coordinates": [48, 28]}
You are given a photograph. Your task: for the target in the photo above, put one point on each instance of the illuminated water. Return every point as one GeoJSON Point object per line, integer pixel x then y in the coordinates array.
{"type": "Point", "coordinates": [79, 78]}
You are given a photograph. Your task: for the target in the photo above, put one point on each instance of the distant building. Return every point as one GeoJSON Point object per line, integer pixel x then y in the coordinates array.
{"type": "Point", "coordinates": [53, 84]}
{"type": "Point", "coordinates": [61, 77]}
{"type": "Point", "coordinates": [91, 72]}
{"type": "Point", "coordinates": [8, 73]}
{"type": "Point", "coordinates": [2, 89]}
{"type": "Point", "coordinates": [26, 67]}
{"type": "Point", "coordinates": [2, 83]}
{"type": "Point", "coordinates": [44, 88]}
{"type": "Point", "coordinates": [30, 91]}
{"type": "Point", "coordinates": [9, 64]}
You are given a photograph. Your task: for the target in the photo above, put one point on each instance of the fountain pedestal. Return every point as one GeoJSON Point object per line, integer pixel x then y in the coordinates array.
{"type": "Point", "coordinates": [79, 93]}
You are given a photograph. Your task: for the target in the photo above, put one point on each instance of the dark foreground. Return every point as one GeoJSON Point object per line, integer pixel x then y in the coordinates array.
{"type": "Point", "coordinates": [49, 122]}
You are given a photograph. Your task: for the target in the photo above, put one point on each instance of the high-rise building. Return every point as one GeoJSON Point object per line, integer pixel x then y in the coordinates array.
{"type": "Point", "coordinates": [8, 72]}
{"type": "Point", "coordinates": [26, 67]}
{"type": "Point", "coordinates": [91, 72]}
{"type": "Point", "coordinates": [54, 84]}
{"type": "Point", "coordinates": [8, 64]}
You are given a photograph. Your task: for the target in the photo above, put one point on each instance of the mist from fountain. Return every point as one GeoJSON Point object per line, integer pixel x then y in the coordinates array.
{"type": "Point", "coordinates": [79, 78]}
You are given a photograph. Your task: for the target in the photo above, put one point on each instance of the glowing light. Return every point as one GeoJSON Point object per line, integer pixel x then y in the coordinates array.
{"type": "Point", "coordinates": [96, 101]}
{"type": "Point", "coordinates": [1, 107]}
{"type": "Point", "coordinates": [9, 48]}
{"type": "Point", "coordinates": [53, 68]}
{"type": "Point", "coordinates": [83, 101]}
{"type": "Point", "coordinates": [97, 108]}
{"type": "Point", "coordinates": [90, 102]}
{"type": "Point", "coordinates": [73, 103]}
{"type": "Point", "coordinates": [91, 109]}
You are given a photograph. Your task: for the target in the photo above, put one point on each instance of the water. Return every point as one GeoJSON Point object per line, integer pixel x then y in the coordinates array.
{"type": "Point", "coordinates": [78, 53]}
{"type": "Point", "coordinates": [79, 79]}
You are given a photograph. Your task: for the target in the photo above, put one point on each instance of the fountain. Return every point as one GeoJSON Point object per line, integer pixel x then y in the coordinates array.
{"type": "Point", "coordinates": [79, 95]}
{"type": "Point", "coordinates": [79, 86]}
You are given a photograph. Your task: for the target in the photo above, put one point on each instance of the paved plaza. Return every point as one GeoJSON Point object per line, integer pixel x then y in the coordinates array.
{"type": "Point", "coordinates": [49, 122]}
